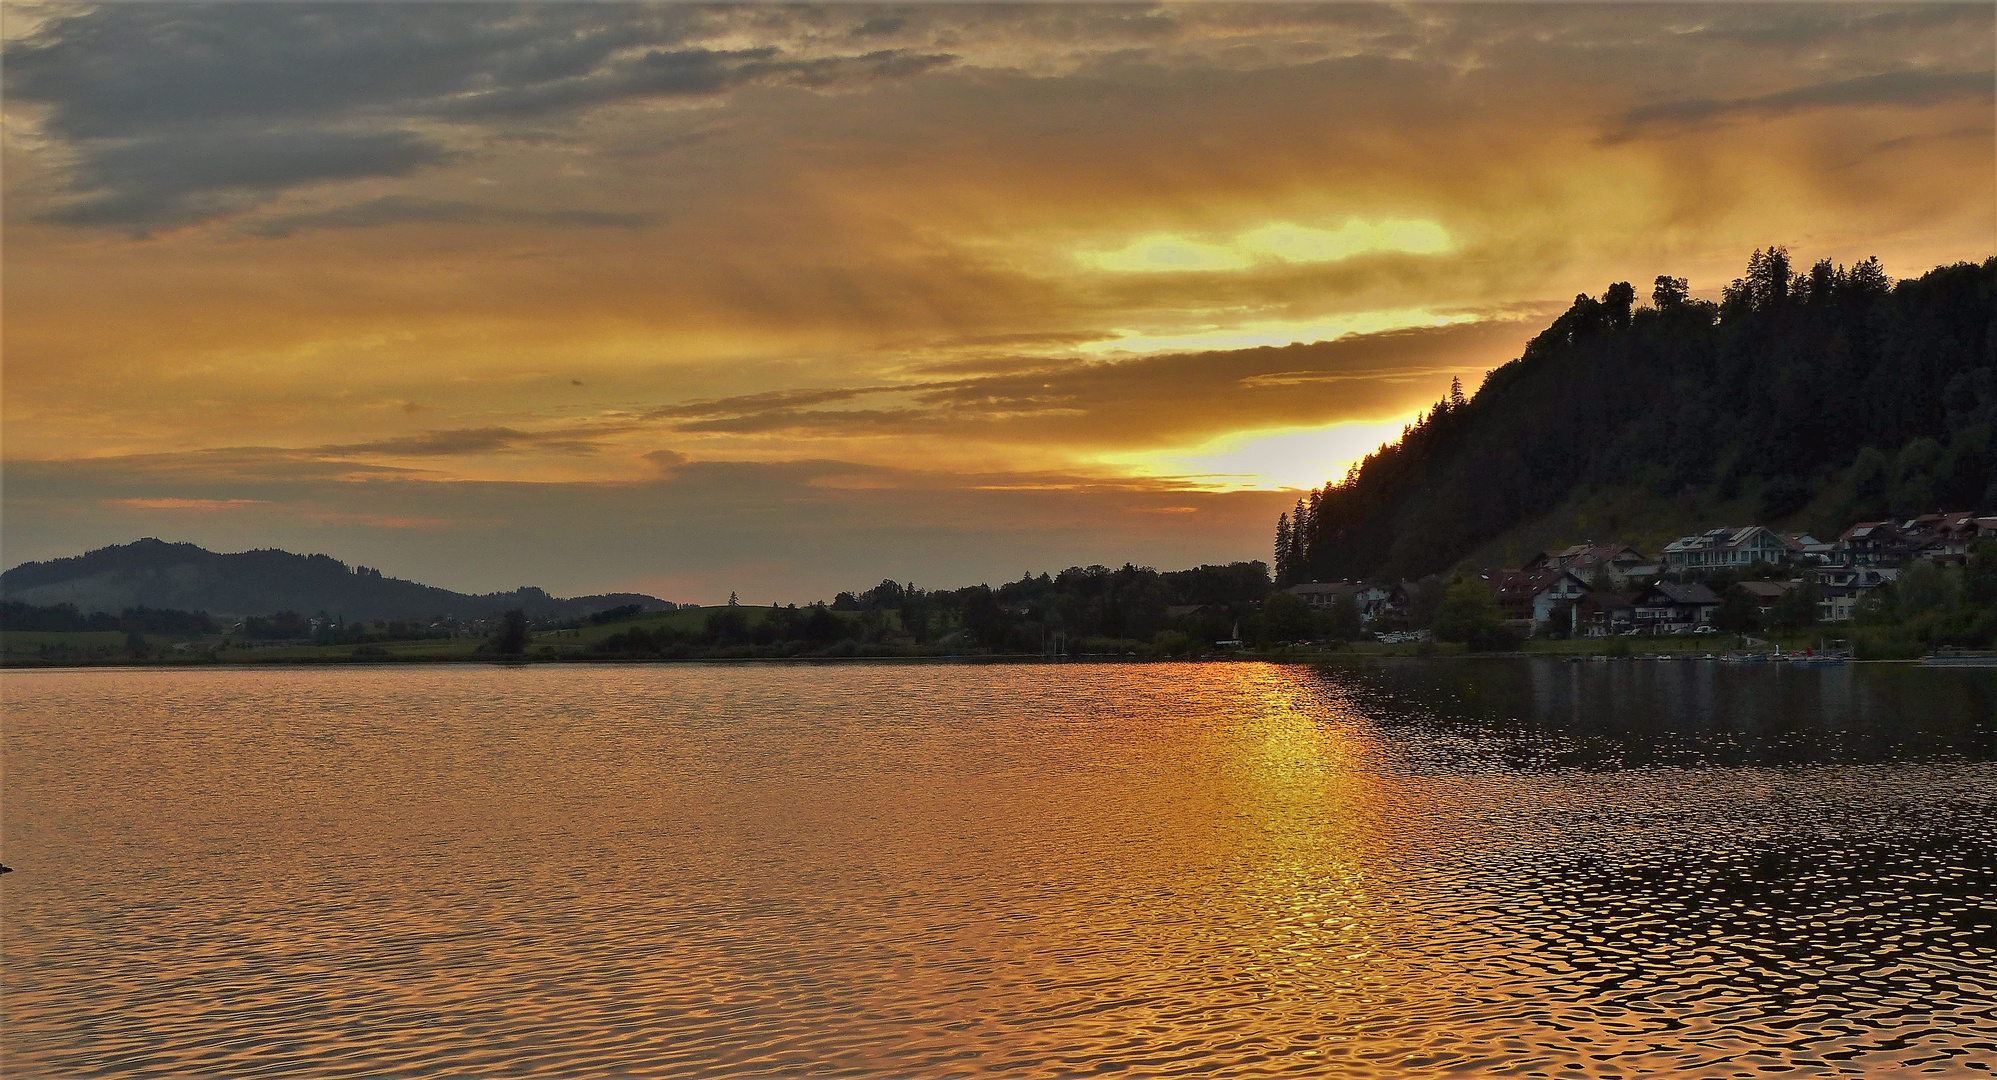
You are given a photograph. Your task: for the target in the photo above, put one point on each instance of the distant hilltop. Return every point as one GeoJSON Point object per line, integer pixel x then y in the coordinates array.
{"type": "Point", "coordinates": [156, 574]}
{"type": "Point", "coordinates": [1804, 401]}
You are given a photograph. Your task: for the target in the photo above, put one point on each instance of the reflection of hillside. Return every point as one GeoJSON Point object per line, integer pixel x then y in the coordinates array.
{"type": "Point", "coordinates": [1540, 713]}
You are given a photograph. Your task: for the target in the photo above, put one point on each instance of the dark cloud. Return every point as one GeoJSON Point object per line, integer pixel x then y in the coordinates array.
{"type": "Point", "coordinates": [179, 113]}
{"type": "Point", "coordinates": [770, 401]}
{"type": "Point", "coordinates": [398, 209]}
{"type": "Point", "coordinates": [469, 441]}
{"type": "Point", "coordinates": [1813, 26]}
{"type": "Point", "coordinates": [148, 183]}
{"type": "Point", "coordinates": [1911, 89]}
{"type": "Point", "coordinates": [1148, 401]}
{"type": "Point", "coordinates": [690, 73]}
{"type": "Point", "coordinates": [128, 70]}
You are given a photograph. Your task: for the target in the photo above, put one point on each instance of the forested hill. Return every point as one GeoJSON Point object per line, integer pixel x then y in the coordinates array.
{"type": "Point", "coordinates": [154, 574]}
{"type": "Point", "coordinates": [1819, 398]}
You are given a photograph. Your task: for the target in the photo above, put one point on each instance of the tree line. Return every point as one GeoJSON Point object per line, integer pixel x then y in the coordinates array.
{"type": "Point", "coordinates": [1799, 387]}
{"type": "Point", "coordinates": [1081, 609]}
{"type": "Point", "coordinates": [66, 619]}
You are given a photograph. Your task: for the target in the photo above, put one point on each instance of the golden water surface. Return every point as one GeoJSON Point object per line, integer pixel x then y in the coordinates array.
{"type": "Point", "coordinates": [927, 871]}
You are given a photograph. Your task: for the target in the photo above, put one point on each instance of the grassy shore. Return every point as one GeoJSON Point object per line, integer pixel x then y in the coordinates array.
{"type": "Point", "coordinates": [24, 649]}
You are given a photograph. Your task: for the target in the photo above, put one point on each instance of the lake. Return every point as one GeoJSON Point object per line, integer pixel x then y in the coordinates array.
{"type": "Point", "coordinates": [1502, 868]}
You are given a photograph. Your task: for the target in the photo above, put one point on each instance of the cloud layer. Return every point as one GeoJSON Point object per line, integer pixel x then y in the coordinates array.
{"type": "Point", "coordinates": [392, 273]}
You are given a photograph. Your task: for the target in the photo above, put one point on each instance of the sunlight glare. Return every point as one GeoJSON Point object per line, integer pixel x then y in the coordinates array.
{"type": "Point", "coordinates": [1281, 241]}
{"type": "Point", "coordinates": [1266, 460]}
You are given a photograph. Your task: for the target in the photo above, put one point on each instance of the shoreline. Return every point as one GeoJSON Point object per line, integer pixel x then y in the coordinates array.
{"type": "Point", "coordinates": [1315, 658]}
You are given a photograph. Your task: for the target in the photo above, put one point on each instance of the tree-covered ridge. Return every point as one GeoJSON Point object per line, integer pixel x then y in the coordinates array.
{"type": "Point", "coordinates": [151, 573]}
{"type": "Point", "coordinates": [1835, 384]}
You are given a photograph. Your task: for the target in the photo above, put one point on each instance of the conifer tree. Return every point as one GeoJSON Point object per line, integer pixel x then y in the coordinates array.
{"type": "Point", "coordinates": [1283, 542]}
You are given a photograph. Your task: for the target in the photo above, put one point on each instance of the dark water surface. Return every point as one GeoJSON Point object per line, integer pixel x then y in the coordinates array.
{"type": "Point", "coordinates": [1473, 869]}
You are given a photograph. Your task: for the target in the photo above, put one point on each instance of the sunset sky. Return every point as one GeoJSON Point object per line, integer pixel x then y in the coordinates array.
{"type": "Point", "coordinates": [786, 300]}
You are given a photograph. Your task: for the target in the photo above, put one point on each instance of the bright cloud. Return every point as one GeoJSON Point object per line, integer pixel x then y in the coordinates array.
{"type": "Point", "coordinates": [1279, 241]}
{"type": "Point", "coordinates": [461, 276]}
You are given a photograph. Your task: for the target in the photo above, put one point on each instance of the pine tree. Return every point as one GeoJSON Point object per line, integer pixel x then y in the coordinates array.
{"type": "Point", "coordinates": [1869, 277]}
{"type": "Point", "coordinates": [1456, 399]}
{"type": "Point", "coordinates": [1283, 542]}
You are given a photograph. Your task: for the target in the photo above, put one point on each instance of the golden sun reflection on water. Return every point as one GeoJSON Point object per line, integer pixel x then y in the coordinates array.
{"type": "Point", "coordinates": [880, 870]}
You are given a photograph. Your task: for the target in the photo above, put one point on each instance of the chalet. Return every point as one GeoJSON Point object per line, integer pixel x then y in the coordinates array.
{"type": "Point", "coordinates": [1670, 605]}
{"type": "Point", "coordinates": [1537, 595]}
{"type": "Point", "coordinates": [1942, 538]}
{"type": "Point", "coordinates": [1812, 551]}
{"type": "Point", "coordinates": [1603, 614]}
{"type": "Point", "coordinates": [1322, 594]}
{"type": "Point", "coordinates": [1871, 543]}
{"type": "Point", "coordinates": [1599, 564]}
{"type": "Point", "coordinates": [1371, 600]}
{"type": "Point", "coordinates": [1377, 600]}
{"type": "Point", "coordinates": [1840, 588]}
{"type": "Point", "coordinates": [1766, 593]}
{"type": "Point", "coordinates": [1729, 548]}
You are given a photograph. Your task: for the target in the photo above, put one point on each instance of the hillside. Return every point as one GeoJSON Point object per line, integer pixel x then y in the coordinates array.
{"type": "Point", "coordinates": [1807, 399]}
{"type": "Point", "coordinates": [155, 574]}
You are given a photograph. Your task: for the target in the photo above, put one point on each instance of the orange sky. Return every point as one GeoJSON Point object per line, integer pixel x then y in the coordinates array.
{"type": "Point", "coordinates": [784, 300]}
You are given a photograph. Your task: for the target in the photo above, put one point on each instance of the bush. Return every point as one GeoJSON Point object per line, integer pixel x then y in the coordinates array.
{"type": "Point", "coordinates": [1470, 615]}
{"type": "Point", "coordinates": [513, 634]}
{"type": "Point", "coordinates": [1884, 643]}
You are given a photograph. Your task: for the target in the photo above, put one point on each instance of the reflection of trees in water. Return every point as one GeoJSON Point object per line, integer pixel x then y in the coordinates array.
{"type": "Point", "coordinates": [1822, 915]}
{"type": "Point", "coordinates": [1530, 713]}
{"type": "Point", "coordinates": [1723, 867]}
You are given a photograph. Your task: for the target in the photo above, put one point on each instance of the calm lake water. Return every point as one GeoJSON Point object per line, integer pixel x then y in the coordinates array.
{"type": "Point", "coordinates": [1456, 868]}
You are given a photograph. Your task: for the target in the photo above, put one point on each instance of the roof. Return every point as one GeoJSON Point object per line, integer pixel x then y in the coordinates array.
{"type": "Point", "coordinates": [1767, 590]}
{"type": "Point", "coordinates": [1746, 534]}
{"type": "Point", "coordinates": [1689, 592]}
{"type": "Point", "coordinates": [1596, 554]}
{"type": "Point", "coordinates": [1324, 588]}
{"type": "Point", "coordinates": [1519, 584]}
{"type": "Point", "coordinates": [1865, 530]}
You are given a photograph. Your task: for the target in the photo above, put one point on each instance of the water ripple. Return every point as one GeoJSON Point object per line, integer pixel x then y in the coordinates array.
{"type": "Point", "coordinates": [866, 871]}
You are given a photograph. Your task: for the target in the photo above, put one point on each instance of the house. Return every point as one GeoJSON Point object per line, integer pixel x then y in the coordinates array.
{"type": "Point", "coordinates": [1322, 594]}
{"type": "Point", "coordinates": [1537, 595]}
{"type": "Point", "coordinates": [1811, 551]}
{"type": "Point", "coordinates": [1942, 538]}
{"type": "Point", "coordinates": [1603, 614]}
{"type": "Point", "coordinates": [1371, 600]}
{"type": "Point", "coordinates": [1671, 605]}
{"type": "Point", "coordinates": [1871, 543]}
{"type": "Point", "coordinates": [1374, 601]}
{"type": "Point", "coordinates": [1766, 593]}
{"type": "Point", "coordinates": [1729, 548]}
{"type": "Point", "coordinates": [1841, 588]}
{"type": "Point", "coordinates": [1599, 564]}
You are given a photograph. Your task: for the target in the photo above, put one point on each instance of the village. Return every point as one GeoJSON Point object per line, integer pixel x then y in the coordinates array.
{"type": "Point", "coordinates": [1725, 579]}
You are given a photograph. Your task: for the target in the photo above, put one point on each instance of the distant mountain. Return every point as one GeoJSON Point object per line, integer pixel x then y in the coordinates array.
{"type": "Point", "coordinates": [153, 573]}
{"type": "Point", "coordinates": [1814, 399]}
